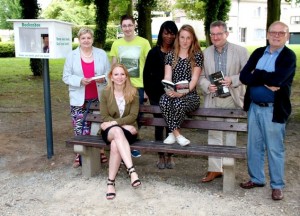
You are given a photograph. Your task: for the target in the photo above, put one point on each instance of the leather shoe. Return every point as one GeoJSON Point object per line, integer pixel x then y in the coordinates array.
{"type": "Point", "coordinates": [250, 184]}
{"type": "Point", "coordinates": [211, 176]}
{"type": "Point", "coordinates": [277, 194]}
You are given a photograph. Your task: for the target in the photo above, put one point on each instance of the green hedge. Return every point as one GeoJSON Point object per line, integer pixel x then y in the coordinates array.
{"type": "Point", "coordinates": [7, 49]}
{"type": "Point", "coordinates": [202, 43]}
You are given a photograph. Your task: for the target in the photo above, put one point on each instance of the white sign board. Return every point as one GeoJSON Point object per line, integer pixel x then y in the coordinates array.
{"type": "Point", "coordinates": [42, 38]}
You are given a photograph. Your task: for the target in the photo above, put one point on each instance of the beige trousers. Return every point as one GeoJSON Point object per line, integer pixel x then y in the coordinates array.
{"type": "Point", "coordinates": [220, 137]}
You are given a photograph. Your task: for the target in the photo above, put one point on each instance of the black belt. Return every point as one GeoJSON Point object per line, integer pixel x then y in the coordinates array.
{"type": "Point", "coordinates": [262, 104]}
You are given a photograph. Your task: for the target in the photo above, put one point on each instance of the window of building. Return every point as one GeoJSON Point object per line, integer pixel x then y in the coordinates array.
{"type": "Point", "coordinates": [295, 19]}
{"type": "Point", "coordinates": [257, 12]}
{"type": "Point", "coordinates": [259, 34]}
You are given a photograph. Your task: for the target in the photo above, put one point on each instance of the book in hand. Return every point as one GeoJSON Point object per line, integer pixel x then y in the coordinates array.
{"type": "Point", "coordinates": [180, 87]}
{"type": "Point", "coordinates": [215, 78]}
{"type": "Point", "coordinates": [97, 77]}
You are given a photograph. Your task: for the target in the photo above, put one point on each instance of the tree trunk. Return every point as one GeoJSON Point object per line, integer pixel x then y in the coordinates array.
{"type": "Point", "coordinates": [211, 8]}
{"type": "Point", "coordinates": [144, 8]}
{"type": "Point", "coordinates": [215, 10]}
{"type": "Point", "coordinates": [30, 10]}
{"type": "Point", "coordinates": [102, 14]}
{"type": "Point", "coordinates": [129, 8]}
{"type": "Point", "coordinates": [273, 13]}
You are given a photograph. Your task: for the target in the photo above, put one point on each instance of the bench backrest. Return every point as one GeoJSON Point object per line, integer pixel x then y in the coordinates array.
{"type": "Point", "coordinates": [196, 119]}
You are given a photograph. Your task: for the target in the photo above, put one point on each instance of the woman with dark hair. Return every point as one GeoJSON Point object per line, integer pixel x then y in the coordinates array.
{"type": "Point", "coordinates": [119, 108]}
{"type": "Point", "coordinates": [154, 72]}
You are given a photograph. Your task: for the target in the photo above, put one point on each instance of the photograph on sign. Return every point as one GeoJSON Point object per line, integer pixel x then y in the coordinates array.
{"type": "Point", "coordinates": [34, 40]}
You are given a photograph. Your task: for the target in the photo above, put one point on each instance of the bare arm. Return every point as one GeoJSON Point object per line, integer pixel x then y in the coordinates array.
{"type": "Point", "coordinates": [113, 60]}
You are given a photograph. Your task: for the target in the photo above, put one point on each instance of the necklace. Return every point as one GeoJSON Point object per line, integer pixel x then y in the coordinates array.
{"type": "Point", "coordinates": [86, 56]}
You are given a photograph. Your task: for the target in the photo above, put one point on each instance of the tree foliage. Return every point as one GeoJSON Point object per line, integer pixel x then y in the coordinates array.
{"type": "Point", "coordinates": [10, 9]}
{"type": "Point", "coordinates": [194, 9]}
{"type": "Point", "coordinates": [71, 11]}
{"type": "Point", "coordinates": [118, 8]}
{"type": "Point", "coordinates": [165, 6]}
{"type": "Point", "coordinates": [30, 9]}
{"type": "Point", "coordinates": [296, 1]}
{"type": "Point", "coordinates": [206, 10]}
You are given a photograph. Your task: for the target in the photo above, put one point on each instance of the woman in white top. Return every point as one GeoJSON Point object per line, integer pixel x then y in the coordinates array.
{"type": "Point", "coordinates": [81, 65]}
{"type": "Point", "coordinates": [119, 108]}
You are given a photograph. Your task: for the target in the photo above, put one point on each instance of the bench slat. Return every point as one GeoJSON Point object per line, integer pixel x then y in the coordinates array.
{"type": "Point", "coordinates": [188, 123]}
{"type": "Point", "coordinates": [199, 124]}
{"type": "Point", "coordinates": [205, 112]}
{"type": "Point", "coordinates": [155, 146]}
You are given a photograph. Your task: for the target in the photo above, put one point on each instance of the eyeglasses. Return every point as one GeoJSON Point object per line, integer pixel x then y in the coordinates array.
{"type": "Point", "coordinates": [279, 34]}
{"type": "Point", "coordinates": [127, 26]}
{"type": "Point", "coordinates": [216, 34]}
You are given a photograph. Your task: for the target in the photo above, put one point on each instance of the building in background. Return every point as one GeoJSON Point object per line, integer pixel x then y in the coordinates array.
{"type": "Point", "coordinates": [247, 21]}
{"type": "Point", "coordinates": [246, 24]}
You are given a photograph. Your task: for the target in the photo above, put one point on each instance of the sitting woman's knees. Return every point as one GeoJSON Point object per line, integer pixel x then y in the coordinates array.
{"type": "Point", "coordinates": [116, 131]}
{"type": "Point", "coordinates": [113, 147]}
{"type": "Point", "coordinates": [131, 129]}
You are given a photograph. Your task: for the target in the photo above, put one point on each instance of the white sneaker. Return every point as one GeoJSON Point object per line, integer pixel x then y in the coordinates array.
{"type": "Point", "coordinates": [181, 140]}
{"type": "Point", "coordinates": [170, 139]}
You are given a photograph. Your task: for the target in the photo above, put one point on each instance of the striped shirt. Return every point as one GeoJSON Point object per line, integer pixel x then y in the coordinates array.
{"type": "Point", "coordinates": [221, 59]}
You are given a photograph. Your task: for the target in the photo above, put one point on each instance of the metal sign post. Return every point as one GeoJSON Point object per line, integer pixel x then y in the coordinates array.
{"type": "Point", "coordinates": [48, 113]}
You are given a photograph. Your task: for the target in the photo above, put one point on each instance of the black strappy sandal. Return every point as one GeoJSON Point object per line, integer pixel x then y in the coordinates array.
{"type": "Point", "coordinates": [110, 196]}
{"type": "Point", "coordinates": [134, 184]}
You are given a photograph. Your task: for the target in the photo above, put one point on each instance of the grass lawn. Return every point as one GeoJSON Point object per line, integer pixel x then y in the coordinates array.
{"type": "Point", "coordinates": [17, 83]}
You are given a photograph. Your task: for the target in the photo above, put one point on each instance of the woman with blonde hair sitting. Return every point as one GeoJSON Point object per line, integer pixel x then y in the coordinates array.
{"type": "Point", "coordinates": [119, 108]}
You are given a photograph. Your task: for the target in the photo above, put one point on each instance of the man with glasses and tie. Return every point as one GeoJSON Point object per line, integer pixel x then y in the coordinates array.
{"type": "Point", "coordinates": [131, 51]}
{"type": "Point", "coordinates": [268, 75]}
{"type": "Point", "coordinates": [230, 59]}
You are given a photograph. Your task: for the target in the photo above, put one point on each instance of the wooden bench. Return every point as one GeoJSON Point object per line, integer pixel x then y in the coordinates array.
{"type": "Point", "coordinates": [87, 145]}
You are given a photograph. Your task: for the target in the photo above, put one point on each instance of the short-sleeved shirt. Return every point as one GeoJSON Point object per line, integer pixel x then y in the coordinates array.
{"type": "Point", "coordinates": [183, 70]}
{"type": "Point", "coordinates": [133, 55]}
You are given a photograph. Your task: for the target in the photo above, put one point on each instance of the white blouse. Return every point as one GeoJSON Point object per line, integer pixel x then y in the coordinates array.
{"type": "Point", "coordinates": [121, 104]}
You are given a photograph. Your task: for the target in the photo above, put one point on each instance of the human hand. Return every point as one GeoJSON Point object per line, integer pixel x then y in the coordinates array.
{"type": "Point", "coordinates": [173, 94]}
{"type": "Point", "coordinates": [227, 81]}
{"type": "Point", "coordinates": [273, 88]}
{"type": "Point", "coordinates": [85, 81]}
{"type": "Point", "coordinates": [101, 80]}
{"type": "Point", "coordinates": [212, 88]}
{"type": "Point", "coordinates": [105, 125]}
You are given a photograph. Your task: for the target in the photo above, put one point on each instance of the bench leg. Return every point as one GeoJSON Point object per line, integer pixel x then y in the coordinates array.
{"type": "Point", "coordinates": [228, 175]}
{"type": "Point", "coordinates": [229, 163]}
{"type": "Point", "coordinates": [90, 160]}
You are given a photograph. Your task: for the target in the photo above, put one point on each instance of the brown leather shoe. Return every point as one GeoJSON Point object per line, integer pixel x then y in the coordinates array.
{"type": "Point", "coordinates": [211, 176]}
{"type": "Point", "coordinates": [277, 194]}
{"type": "Point", "coordinates": [250, 184]}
